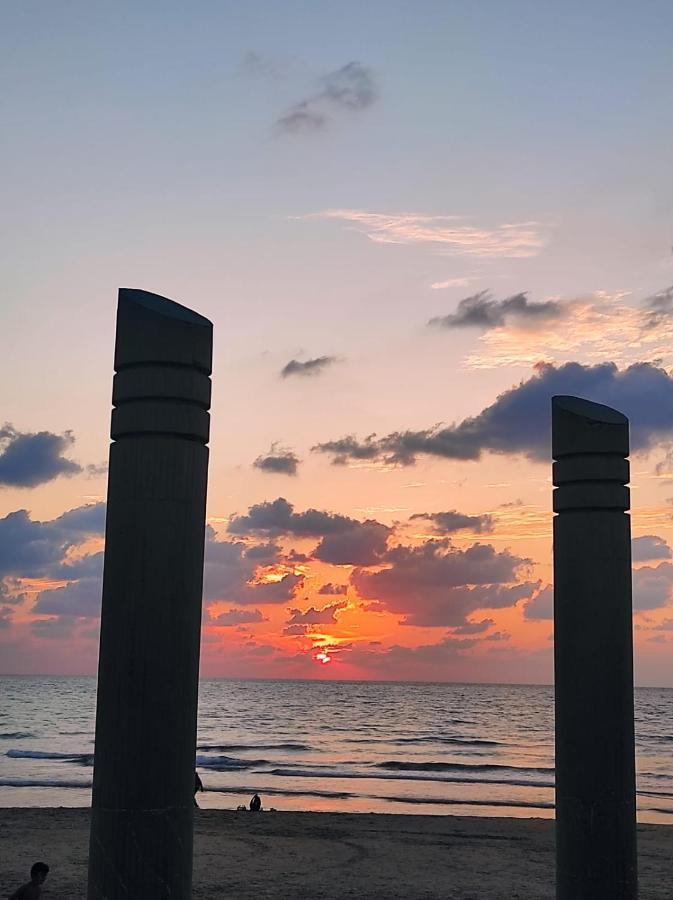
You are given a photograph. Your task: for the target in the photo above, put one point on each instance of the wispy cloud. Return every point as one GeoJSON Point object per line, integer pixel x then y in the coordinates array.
{"type": "Point", "coordinates": [352, 88]}
{"type": "Point", "coordinates": [452, 233]}
{"type": "Point", "coordinates": [450, 283]}
{"type": "Point", "coordinates": [598, 326]}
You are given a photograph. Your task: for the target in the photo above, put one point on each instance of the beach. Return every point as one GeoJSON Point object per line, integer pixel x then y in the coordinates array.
{"type": "Point", "coordinates": [326, 856]}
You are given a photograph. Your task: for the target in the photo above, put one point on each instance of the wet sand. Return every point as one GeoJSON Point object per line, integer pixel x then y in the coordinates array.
{"type": "Point", "coordinates": [330, 856]}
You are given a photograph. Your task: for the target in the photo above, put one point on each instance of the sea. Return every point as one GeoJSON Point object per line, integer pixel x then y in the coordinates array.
{"type": "Point", "coordinates": [461, 749]}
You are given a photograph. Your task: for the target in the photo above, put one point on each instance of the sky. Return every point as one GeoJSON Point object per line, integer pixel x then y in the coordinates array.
{"type": "Point", "coordinates": [410, 224]}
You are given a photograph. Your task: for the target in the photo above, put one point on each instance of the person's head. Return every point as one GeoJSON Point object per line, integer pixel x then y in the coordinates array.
{"type": "Point", "coordinates": [38, 872]}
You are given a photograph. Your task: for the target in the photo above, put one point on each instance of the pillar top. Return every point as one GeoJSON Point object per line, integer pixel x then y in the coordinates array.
{"type": "Point", "coordinates": [583, 427]}
{"type": "Point", "coordinates": [155, 330]}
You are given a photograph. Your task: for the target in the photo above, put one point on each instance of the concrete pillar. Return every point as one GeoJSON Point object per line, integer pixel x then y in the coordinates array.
{"type": "Point", "coordinates": [593, 654]}
{"type": "Point", "coordinates": [141, 826]}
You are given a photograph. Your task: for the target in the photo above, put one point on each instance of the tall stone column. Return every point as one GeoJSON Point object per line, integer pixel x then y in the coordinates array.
{"type": "Point", "coordinates": [143, 786]}
{"type": "Point", "coordinates": [593, 654]}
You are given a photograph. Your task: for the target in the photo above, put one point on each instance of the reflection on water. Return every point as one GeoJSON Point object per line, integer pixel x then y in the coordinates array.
{"type": "Point", "coordinates": [349, 746]}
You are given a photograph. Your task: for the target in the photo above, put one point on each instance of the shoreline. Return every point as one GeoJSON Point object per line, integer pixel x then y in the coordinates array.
{"type": "Point", "coordinates": [369, 856]}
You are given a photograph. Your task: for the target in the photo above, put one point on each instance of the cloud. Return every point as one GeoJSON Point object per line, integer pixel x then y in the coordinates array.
{"type": "Point", "coordinates": [518, 422]}
{"type": "Point", "coordinates": [278, 517]}
{"type": "Point", "coordinates": [313, 616]}
{"type": "Point", "coordinates": [54, 629]}
{"type": "Point", "coordinates": [363, 544]}
{"type": "Point", "coordinates": [481, 311]}
{"type": "Point", "coordinates": [658, 308]}
{"type": "Point", "coordinates": [352, 88]}
{"type": "Point", "coordinates": [503, 241]}
{"type": "Point", "coordinates": [438, 584]}
{"type": "Point", "coordinates": [541, 606]}
{"type": "Point", "coordinates": [452, 521]}
{"type": "Point", "coordinates": [237, 617]}
{"type": "Point", "coordinates": [652, 586]}
{"type": "Point", "coordinates": [333, 589]}
{"type": "Point", "coordinates": [397, 658]}
{"type": "Point", "coordinates": [278, 461]}
{"type": "Point", "coordinates": [78, 598]}
{"type": "Point", "coordinates": [230, 574]}
{"type": "Point", "coordinates": [27, 460]}
{"type": "Point", "coordinates": [309, 368]}
{"type": "Point", "coordinates": [450, 283]}
{"type": "Point", "coordinates": [598, 327]}
{"type": "Point", "coordinates": [649, 546]}
{"type": "Point", "coordinates": [474, 627]}
{"type": "Point", "coordinates": [32, 549]}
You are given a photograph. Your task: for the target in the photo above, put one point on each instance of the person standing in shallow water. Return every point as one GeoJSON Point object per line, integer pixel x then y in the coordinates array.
{"type": "Point", "coordinates": [198, 786]}
{"type": "Point", "coordinates": [255, 804]}
{"type": "Point", "coordinates": [33, 889]}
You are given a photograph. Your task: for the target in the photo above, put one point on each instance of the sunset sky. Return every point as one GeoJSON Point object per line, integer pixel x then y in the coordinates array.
{"type": "Point", "coordinates": [411, 224]}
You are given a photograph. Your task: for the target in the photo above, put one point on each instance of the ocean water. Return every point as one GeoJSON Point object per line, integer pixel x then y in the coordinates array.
{"type": "Point", "coordinates": [347, 746]}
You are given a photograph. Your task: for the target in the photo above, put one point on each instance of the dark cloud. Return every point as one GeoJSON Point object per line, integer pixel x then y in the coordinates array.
{"type": "Point", "coordinates": [541, 606]}
{"type": "Point", "coordinates": [238, 617]}
{"type": "Point", "coordinates": [349, 89]}
{"type": "Point", "coordinates": [293, 630]}
{"type": "Point", "coordinates": [31, 549]}
{"type": "Point", "coordinates": [27, 460]}
{"type": "Point", "coordinates": [230, 574]}
{"type": "Point", "coordinates": [276, 517]}
{"type": "Point", "coordinates": [648, 547]}
{"type": "Point", "coordinates": [263, 554]}
{"type": "Point", "coordinates": [363, 544]}
{"type": "Point", "coordinates": [438, 584]}
{"type": "Point", "coordinates": [333, 589]}
{"type": "Point", "coordinates": [519, 420]}
{"type": "Point", "coordinates": [5, 616]}
{"type": "Point", "coordinates": [78, 598]}
{"type": "Point", "coordinates": [482, 311]}
{"type": "Point", "coordinates": [313, 616]}
{"type": "Point", "coordinates": [278, 461]}
{"type": "Point", "coordinates": [452, 521]}
{"type": "Point", "coordinates": [309, 368]}
{"type": "Point", "coordinates": [397, 658]}
{"type": "Point", "coordinates": [658, 308]}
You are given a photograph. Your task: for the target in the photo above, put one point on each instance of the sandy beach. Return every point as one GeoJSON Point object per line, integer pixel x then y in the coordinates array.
{"type": "Point", "coordinates": [325, 856]}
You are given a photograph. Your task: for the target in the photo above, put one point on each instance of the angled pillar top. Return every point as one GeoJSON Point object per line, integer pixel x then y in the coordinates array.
{"type": "Point", "coordinates": [590, 443]}
{"type": "Point", "coordinates": [153, 329]}
{"type": "Point", "coordinates": [582, 426]}
{"type": "Point", "coordinates": [163, 359]}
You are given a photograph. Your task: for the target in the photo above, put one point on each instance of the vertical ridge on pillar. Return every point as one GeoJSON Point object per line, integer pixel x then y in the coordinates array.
{"type": "Point", "coordinates": [142, 804]}
{"type": "Point", "coordinates": [593, 654]}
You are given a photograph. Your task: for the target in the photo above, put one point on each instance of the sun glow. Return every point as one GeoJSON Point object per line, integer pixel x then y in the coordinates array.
{"type": "Point", "coordinates": [322, 658]}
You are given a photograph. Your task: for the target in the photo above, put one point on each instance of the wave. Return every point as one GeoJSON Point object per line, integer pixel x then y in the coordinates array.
{"type": "Point", "coordinates": [290, 772]}
{"type": "Point", "coordinates": [228, 763]}
{"type": "Point", "coordinates": [83, 759]}
{"type": "Point", "coordinates": [43, 782]}
{"type": "Point", "coordinates": [402, 766]}
{"type": "Point", "coordinates": [15, 735]}
{"type": "Point", "coordinates": [224, 748]}
{"type": "Point", "coordinates": [428, 739]}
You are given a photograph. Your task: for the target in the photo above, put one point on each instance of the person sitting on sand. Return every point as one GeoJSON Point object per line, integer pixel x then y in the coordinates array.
{"type": "Point", "coordinates": [198, 786]}
{"type": "Point", "coordinates": [32, 890]}
{"type": "Point", "coordinates": [255, 804]}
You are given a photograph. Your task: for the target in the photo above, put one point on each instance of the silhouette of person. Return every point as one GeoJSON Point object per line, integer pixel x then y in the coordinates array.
{"type": "Point", "coordinates": [198, 786]}
{"type": "Point", "coordinates": [255, 804]}
{"type": "Point", "coordinates": [33, 889]}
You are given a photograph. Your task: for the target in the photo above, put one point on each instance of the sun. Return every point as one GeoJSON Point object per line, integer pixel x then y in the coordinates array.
{"type": "Point", "coordinates": [322, 658]}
